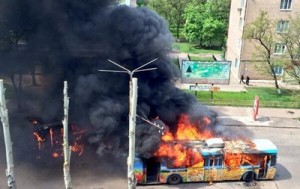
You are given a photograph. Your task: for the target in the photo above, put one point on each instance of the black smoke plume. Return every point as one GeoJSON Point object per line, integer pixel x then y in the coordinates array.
{"type": "Point", "coordinates": [72, 40]}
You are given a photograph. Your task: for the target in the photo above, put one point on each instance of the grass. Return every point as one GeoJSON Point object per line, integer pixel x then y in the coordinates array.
{"type": "Point", "coordinates": [197, 58]}
{"type": "Point", "coordinates": [194, 49]}
{"type": "Point", "coordinates": [268, 97]}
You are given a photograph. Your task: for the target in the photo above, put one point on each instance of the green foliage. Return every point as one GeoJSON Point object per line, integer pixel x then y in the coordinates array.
{"type": "Point", "coordinates": [194, 14]}
{"type": "Point", "coordinates": [268, 97]}
{"type": "Point", "coordinates": [172, 11]}
{"type": "Point", "coordinates": [207, 20]}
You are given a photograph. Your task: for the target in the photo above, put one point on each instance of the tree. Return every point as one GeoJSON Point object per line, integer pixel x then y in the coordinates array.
{"type": "Point", "coordinates": [211, 29]}
{"type": "Point", "coordinates": [216, 21]}
{"type": "Point", "coordinates": [178, 14]}
{"type": "Point", "coordinates": [172, 11]}
{"type": "Point", "coordinates": [291, 60]}
{"type": "Point", "coordinates": [207, 21]}
{"type": "Point", "coordinates": [193, 26]}
{"type": "Point", "coordinates": [261, 31]}
{"type": "Point", "coordinates": [161, 7]}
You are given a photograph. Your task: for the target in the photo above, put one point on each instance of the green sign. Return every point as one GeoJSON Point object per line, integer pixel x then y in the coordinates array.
{"type": "Point", "coordinates": [216, 72]}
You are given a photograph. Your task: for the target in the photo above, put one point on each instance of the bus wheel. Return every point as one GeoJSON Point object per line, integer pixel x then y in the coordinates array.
{"type": "Point", "coordinates": [249, 176]}
{"type": "Point", "coordinates": [174, 179]}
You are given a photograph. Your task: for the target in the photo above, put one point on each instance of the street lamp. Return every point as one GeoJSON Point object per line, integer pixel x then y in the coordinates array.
{"type": "Point", "coordinates": [132, 116]}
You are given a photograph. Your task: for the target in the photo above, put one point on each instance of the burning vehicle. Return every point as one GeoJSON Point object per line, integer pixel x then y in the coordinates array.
{"type": "Point", "coordinates": [191, 155]}
{"type": "Point", "coordinates": [211, 160]}
{"type": "Point", "coordinates": [49, 138]}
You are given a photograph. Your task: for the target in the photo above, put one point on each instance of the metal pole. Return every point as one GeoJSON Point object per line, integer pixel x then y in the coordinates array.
{"type": "Point", "coordinates": [67, 149]}
{"type": "Point", "coordinates": [11, 183]}
{"type": "Point", "coordinates": [132, 123]}
{"type": "Point", "coordinates": [132, 116]}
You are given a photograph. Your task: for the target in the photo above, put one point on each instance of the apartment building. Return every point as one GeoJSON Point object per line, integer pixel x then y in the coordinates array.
{"type": "Point", "coordinates": [240, 51]}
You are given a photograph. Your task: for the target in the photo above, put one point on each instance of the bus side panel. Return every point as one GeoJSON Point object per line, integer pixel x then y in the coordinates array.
{"type": "Point", "coordinates": [163, 177]}
{"type": "Point", "coordinates": [213, 174]}
{"type": "Point", "coordinates": [271, 173]}
{"type": "Point", "coordinates": [237, 174]}
{"type": "Point", "coordinates": [195, 174]}
{"type": "Point", "coordinates": [233, 174]}
{"type": "Point", "coordinates": [139, 172]}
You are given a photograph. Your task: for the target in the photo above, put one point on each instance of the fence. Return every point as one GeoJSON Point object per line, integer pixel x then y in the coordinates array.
{"type": "Point", "coordinates": [249, 103]}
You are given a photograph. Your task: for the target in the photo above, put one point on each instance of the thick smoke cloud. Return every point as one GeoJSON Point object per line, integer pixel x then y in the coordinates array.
{"type": "Point", "coordinates": [75, 39]}
{"type": "Point", "coordinates": [134, 37]}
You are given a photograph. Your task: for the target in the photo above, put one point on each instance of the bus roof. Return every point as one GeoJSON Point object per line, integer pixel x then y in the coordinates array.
{"type": "Point", "coordinates": [265, 146]}
{"type": "Point", "coordinates": [255, 146]}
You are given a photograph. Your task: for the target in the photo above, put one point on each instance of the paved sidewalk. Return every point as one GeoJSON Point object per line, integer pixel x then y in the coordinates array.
{"type": "Point", "coordinates": [267, 117]}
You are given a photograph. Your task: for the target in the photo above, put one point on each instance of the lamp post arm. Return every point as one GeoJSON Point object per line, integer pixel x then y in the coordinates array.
{"type": "Point", "coordinates": [144, 65]}
{"type": "Point", "coordinates": [147, 69]}
{"type": "Point", "coordinates": [128, 71]}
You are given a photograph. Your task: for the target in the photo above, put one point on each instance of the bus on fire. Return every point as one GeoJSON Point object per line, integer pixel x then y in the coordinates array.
{"type": "Point", "coordinates": [215, 160]}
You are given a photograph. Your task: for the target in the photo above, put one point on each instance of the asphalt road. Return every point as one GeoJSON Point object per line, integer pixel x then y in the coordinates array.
{"type": "Point", "coordinates": [92, 172]}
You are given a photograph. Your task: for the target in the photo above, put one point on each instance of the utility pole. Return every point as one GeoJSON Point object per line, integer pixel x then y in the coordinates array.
{"type": "Point", "coordinates": [11, 183]}
{"type": "Point", "coordinates": [132, 116]}
{"type": "Point", "coordinates": [67, 148]}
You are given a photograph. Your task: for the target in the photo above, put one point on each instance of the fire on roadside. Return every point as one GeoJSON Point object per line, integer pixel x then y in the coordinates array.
{"type": "Point", "coordinates": [49, 138]}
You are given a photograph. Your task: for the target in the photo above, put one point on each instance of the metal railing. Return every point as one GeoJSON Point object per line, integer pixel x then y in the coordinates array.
{"type": "Point", "coordinates": [249, 103]}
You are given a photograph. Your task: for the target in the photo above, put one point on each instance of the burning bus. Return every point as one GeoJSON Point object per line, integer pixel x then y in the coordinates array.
{"type": "Point", "coordinates": [210, 160]}
{"type": "Point", "coordinates": [195, 152]}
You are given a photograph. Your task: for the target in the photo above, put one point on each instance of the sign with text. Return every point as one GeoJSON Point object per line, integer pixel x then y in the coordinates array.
{"type": "Point", "coordinates": [216, 72]}
{"type": "Point", "coordinates": [200, 87]}
{"type": "Point", "coordinates": [215, 89]}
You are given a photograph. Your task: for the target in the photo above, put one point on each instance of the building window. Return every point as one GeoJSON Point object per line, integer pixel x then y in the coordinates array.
{"type": "Point", "coordinates": [285, 4]}
{"type": "Point", "coordinates": [236, 63]}
{"type": "Point", "coordinates": [278, 70]}
{"type": "Point", "coordinates": [279, 48]}
{"type": "Point", "coordinates": [242, 3]}
{"type": "Point", "coordinates": [282, 26]}
{"type": "Point", "coordinates": [241, 23]}
{"type": "Point", "coordinates": [239, 44]}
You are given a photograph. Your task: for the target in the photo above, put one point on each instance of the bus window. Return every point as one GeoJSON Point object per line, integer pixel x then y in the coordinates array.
{"type": "Point", "coordinates": [273, 160]}
{"type": "Point", "coordinates": [206, 162]}
{"type": "Point", "coordinates": [216, 161]}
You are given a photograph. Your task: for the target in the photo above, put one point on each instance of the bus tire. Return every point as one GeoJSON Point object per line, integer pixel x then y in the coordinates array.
{"type": "Point", "coordinates": [174, 179]}
{"type": "Point", "coordinates": [248, 176]}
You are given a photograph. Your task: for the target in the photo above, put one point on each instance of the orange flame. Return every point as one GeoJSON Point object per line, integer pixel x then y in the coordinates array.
{"type": "Point", "coordinates": [186, 130]}
{"type": "Point", "coordinates": [235, 157]}
{"type": "Point", "coordinates": [177, 153]}
{"type": "Point", "coordinates": [175, 149]}
{"type": "Point", "coordinates": [55, 155]}
{"type": "Point", "coordinates": [55, 139]}
{"type": "Point", "coordinates": [77, 148]}
{"type": "Point", "coordinates": [39, 139]}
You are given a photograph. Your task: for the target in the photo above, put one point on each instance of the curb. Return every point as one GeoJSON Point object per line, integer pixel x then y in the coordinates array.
{"type": "Point", "coordinates": [272, 122]}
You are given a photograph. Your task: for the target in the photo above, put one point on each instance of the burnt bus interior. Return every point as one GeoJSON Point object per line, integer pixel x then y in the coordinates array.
{"type": "Point", "coordinates": [152, 168]}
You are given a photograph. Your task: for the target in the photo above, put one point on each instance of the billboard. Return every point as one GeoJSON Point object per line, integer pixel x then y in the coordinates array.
{"type": "Point", "coordinates": [215, 72]}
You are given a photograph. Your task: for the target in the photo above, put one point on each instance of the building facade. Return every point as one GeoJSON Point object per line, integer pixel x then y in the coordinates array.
{"type": "Point", "coordinates": [240, 51]}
